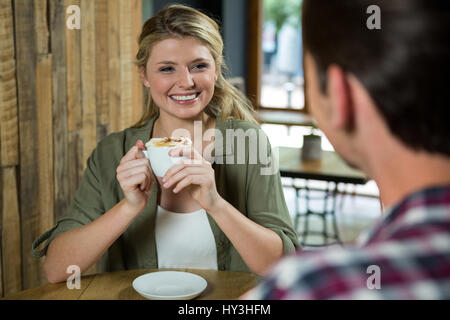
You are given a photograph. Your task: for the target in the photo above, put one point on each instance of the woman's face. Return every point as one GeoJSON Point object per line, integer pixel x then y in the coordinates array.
{"type": "Point", "coordinates": [181, 74]}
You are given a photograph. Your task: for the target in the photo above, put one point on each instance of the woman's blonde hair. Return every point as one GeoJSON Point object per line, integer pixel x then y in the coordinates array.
{"type": "Point", "coordinates": [178, 21]}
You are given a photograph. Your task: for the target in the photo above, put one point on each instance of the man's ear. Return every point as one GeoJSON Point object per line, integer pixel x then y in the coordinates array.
{"type": "Point", "coordinates": [144, 77]}
{"type": "Point", "coordinates": [339, 94]}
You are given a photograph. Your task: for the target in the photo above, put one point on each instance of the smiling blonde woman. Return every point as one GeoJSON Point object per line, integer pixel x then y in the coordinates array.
{"type": "Point", "coordinates": [184, 22]}
{"type": "Point", "coordinates": [202, 214]}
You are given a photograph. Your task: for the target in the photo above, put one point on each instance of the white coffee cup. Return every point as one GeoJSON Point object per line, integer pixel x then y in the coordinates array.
{"type": "Point", "coordinates": [158, 153]}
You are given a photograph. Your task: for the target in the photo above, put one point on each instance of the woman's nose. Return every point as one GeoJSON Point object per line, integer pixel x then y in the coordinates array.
{"type": "Point", "coordinates": [185, 79]}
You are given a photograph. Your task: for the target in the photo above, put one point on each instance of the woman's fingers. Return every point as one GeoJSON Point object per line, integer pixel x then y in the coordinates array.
{"type": "Point", "coordinates": [135, 176]}
{"type": "Point", "coordinates": [132, 167]}
{"type": "Point", "coordinates": [130, 155]}
{"type": "Point", "coordinates": [140, 145]}
{"type": "Point", "coordinates": [139, 180]}
{"type": "Point", "coordinates": [140, 155]}
{"type": "Point", "coordinates": [135, 170]}
{"type": "Point", "coordinates": [132, 164]}
{"type": "Point", "coordinates": [177, 176]}
{"type": "Point", "coordinates": [194, 159]}
{"type": "Point", "coordinates": [180, 166]}
{"type": "Point", "coordinates": [135, 162]}
{"type": "Point", "coordinates": [134, 153]}
{"type": "Point", "coordinates": [188, 180]}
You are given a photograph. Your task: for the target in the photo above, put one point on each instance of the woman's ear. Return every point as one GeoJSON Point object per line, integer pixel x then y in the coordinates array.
{"type": "Point", "coordinates": [144, 77]}
{"type": "Point", "coordinates": [339, 94]}
{"type": "Point", "coordinates": [218, 71]}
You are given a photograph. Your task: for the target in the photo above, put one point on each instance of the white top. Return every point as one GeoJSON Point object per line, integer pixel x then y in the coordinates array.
{"type": "Point", "coordinates": [185, 240]}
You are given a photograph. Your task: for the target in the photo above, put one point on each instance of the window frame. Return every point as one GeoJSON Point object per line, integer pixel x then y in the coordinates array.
{"type": "Point", "coordinates": [254, 73]}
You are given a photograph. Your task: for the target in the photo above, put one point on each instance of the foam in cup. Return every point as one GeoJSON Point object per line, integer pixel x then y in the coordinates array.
{"type": "Point", "coordinates": [169, 142]}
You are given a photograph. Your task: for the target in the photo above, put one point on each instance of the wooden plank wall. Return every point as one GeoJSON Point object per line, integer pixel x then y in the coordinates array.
{"type": "Point", "coordinates": [61, 91]}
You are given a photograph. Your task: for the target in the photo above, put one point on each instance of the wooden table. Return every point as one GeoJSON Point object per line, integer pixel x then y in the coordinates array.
{"type": "Point", "coordinates": [118, 286]}
{"type": "Point", "coordinates": [331, 168]}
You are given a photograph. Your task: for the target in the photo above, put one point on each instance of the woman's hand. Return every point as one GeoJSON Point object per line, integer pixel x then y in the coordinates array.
{"type": "Point", "coordinates": [135, 177]}
{"type": "Point", "coordinates": [196, 175]}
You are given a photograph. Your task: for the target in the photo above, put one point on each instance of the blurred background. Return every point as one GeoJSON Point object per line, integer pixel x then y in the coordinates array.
{"type": "Point", "coordinates": [63, 89]}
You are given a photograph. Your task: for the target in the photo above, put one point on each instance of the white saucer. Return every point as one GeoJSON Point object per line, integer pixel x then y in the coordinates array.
{"type": "Point", "coordinates": [169, 285]}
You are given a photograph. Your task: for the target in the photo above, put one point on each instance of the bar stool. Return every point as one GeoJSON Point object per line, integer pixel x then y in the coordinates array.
{"type": "Point", "coordinates": [328, 197]}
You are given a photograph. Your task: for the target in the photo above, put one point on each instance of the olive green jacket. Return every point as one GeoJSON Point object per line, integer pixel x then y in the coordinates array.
{"type": "Point", "coordinates": [258, 196]}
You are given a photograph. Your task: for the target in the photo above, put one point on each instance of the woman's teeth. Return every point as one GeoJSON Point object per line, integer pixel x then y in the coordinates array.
{"type": "Point", "coordinates": [184, 98]}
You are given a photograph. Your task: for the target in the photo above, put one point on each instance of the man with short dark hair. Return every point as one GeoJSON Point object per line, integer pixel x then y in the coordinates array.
{"type": "Point", "coordinates": [381, 97]}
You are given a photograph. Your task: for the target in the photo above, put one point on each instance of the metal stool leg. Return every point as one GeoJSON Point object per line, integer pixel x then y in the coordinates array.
{"type": "Point", "coordinates": [325, 234]}
{"type": "Point", "coordinates": [333, 215]}
{"type": "Point", "coordinates": [307, 215]}
{"type": "Point", "coordinates": [297, 209]}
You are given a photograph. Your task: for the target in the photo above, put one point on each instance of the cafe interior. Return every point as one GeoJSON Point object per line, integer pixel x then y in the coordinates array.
{"type": "Point", "coordinates": [64, 87]}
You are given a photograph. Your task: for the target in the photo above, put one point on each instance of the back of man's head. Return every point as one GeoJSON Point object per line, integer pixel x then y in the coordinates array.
{"type": "Point", "coordinates": [405, 65]}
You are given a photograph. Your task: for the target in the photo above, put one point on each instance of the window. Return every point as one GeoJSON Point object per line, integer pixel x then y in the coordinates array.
{"type": "Point", "coordinates": [282, 74]}
{"type": "Point", "coordinates": [275, 73]}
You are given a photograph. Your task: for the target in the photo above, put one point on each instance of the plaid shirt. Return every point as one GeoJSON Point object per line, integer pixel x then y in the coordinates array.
{"type": "Point", "coordinates": [407, 256]}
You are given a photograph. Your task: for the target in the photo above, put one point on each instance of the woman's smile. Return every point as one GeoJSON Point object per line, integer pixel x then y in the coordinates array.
{"type": "Point", "coordinates": [185, 99]}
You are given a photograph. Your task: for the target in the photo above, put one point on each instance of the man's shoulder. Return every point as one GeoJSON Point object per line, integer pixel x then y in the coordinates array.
{"type": "Point", "coordinates": [387, 270]}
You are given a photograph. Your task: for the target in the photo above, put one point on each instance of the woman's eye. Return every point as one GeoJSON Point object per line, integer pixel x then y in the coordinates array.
{"type": "Point", "coordinates": [200, 66]}
{"type": "Point", "coordinates": [166, 69]}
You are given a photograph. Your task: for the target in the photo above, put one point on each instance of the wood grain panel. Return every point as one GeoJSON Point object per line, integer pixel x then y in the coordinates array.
{"type": "Point", "coordinates": [101, 62]}
{"type": "Point", "coordinates": [41, 26]}
{"type": "Point", "coordinates": [9, 139]}
{"type": "Point", "coordinates": [75, 169]}
{"type": "Point", "coordinates": [1, 226]}
{"type": "Point", "coordinates": [26, 81]}
{"type": "Point", "coordinates": [114, 64]}
{"type": "Point", "coordinates": [126, 63]}
{"type": "Point", "coordinates": [137, 91]}
{"type": "Point", "coordinates": [89, 114]}
{"type": "Point", "coordinates": [11, 233]}
{"type": "Point", "coordinates": [44, 140]}
{"type": "Point", "coordinates": [74, 107]}
{"type": "Point", "coordinates": [73, 57]}
{"type": "Point", "coordinates": [59, 92]}
{"type": "Point", "coordinates": [10, 253]}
